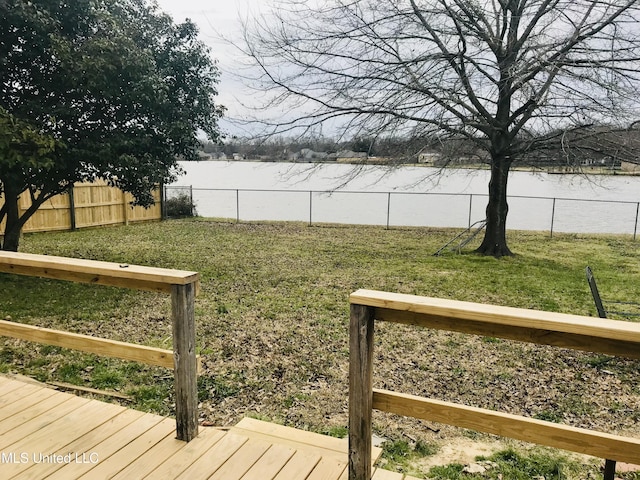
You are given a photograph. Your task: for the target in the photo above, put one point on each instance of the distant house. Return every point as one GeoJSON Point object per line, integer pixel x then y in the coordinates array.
{"type": "Point", "coordinates": [429, 158]}
{"type": "Point", "coordinates": [630, 167]}
{"type": "Point", "coordinates": [348, 156]}
{"type": "Point", "coordinates": [311, 155]}
{"type": "Point", "coordinates": [204, 157]}
{"type": "Point", "coordinates": [308, 155]}
{"type": "Point", "coordinates": [593, 162]}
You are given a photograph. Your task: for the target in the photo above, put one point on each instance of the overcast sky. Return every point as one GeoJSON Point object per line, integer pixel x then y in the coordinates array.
{"type": "Point", "coordinates": [216, 18]}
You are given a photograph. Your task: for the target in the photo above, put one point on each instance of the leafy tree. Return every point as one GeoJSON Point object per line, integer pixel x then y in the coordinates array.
{"type": "Point", "coordinates": [513, 78]}
{"type": "Point", "coordinates": [97, 89]}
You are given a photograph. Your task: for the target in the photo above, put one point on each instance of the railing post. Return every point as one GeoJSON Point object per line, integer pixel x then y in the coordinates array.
{"type": "Point", "coordinates": [360, 391]}
{"type": "Point", "coordinates": [609, 470]}
{"type": "Point", "coordinates": [185, 366]}
{"type": "Point", "coordinates": [635, 226]}
{"type": "Point", "coordinates": [310, 208]}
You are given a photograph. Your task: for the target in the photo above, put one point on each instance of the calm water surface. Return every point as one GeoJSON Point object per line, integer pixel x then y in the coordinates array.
{"type": "Point", "coordinates": [409, 196]}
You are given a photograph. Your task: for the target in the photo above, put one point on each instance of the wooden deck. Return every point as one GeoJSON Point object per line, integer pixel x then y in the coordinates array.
{"type": "Point", "coordinates": [49, 434]}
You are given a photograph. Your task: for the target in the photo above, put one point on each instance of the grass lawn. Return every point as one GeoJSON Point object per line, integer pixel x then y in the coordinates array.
{"type": "Point", "coordinates": [272, 323]}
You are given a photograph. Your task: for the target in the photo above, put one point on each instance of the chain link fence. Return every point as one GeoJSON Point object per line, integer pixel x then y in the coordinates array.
{"type": "Point", "coordinates": [457, 210]}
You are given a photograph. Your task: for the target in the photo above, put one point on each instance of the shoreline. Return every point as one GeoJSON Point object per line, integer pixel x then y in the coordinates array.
{"type": "Point", "coordinates": [381, 163]}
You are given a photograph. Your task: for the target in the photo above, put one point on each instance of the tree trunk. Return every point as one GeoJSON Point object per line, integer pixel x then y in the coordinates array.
{"type": "Point", "coordinates": [495, 237]}
{"type": "Point", "coordinates": [14, 223]}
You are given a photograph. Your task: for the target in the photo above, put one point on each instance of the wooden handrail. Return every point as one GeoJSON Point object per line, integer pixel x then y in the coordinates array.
{"type": "Point", "coordinates": [134, 277]}
{"type": "Point", "coordinates": [534, 326]}
{"type": "Point", "coordinates": [547, 328]}
{"type": "Point", "coordinates": [86, 343]}
{"type": "Point", "coordinates": [580, 440]}
{"type": "Point", "coordinates": [183, 287]}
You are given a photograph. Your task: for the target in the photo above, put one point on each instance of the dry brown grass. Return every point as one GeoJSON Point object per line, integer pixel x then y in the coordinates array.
{"type": "Point", "coordinates": [273, 314]}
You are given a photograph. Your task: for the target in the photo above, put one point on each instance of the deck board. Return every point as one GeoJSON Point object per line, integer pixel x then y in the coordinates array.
{"type": "Point", "coordinates": [299, 466]}
{"type": "Point", "coordinates": [175, 465]}
{"type": "Point", "coordinates": [328, 467]}
{"type": "Point", "coordinates": [242, 460]}
{"type": "Point", "coordinates": [85, 443]}
{"type": "Point", "coordinates": [301, 439]}
{"type": "Point", "coordinates": [270, 464]}
{"type": "Point", "coordinates": [49, 434]}
{"type": "Point", "coordinates": [76, 424]}
{"type": "Point", "coordinates": [109, 446]}
{"type": "Point", "coordinates": [147, 462]}
{"type": "Point", "coordinates": [208, 464]}
{"type": "Point", "coordinates": [119, 460]}
{"type": "Point", "coordinates": [23, 424]}
{"type": "Point", "coordinates": [12, 386]}
{"type": "Point", "coordinates": [18, 403]}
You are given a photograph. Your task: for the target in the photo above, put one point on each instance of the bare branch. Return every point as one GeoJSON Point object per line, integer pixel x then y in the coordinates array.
{"type": "Point", "coordinates": [460, 67]}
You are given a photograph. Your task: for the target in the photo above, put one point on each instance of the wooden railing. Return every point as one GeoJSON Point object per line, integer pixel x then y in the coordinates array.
{"type": "Point", "coordinates": [183, 287]}
{"type": "Point", "coordinates": [560, 330]}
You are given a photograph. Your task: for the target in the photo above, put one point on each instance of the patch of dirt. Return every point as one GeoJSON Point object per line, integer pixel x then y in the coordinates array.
{"type": "Point", "coordinates": [461, 450]}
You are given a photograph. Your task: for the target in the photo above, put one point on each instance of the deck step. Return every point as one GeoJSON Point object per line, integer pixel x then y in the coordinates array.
{"type": "Point", "coordinates": [126, 443]}
{"type": "Point", "coordinates": [300, 439]}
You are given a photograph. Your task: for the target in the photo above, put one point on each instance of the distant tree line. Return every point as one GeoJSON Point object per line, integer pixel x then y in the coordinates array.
{"type": "Point", "coordinates": [278, 146]}
{"type": "Point", "coordinates": [393, 149]}
{"type": "Point", "coordinates": [599, 145]}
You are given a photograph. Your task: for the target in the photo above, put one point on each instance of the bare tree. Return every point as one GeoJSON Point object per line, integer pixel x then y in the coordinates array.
{"type": "Point", "coordinates": [518, 78]}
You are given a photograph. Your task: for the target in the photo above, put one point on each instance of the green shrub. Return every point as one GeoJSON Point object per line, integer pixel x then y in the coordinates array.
{"type": "Point", "coordinates": [180, 206]}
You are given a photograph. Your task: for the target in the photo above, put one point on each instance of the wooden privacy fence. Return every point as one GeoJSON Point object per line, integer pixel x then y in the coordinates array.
{"type": "Point", "coordinates": [560, 330]}
{"type": "Point", "coordinates": [183, 287]}
{"type": "Point", "coordinates": [87, 205]}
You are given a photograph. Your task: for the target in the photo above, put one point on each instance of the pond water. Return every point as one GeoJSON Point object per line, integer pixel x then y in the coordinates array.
{"type": "Point", "coordinates": [409, 196]}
